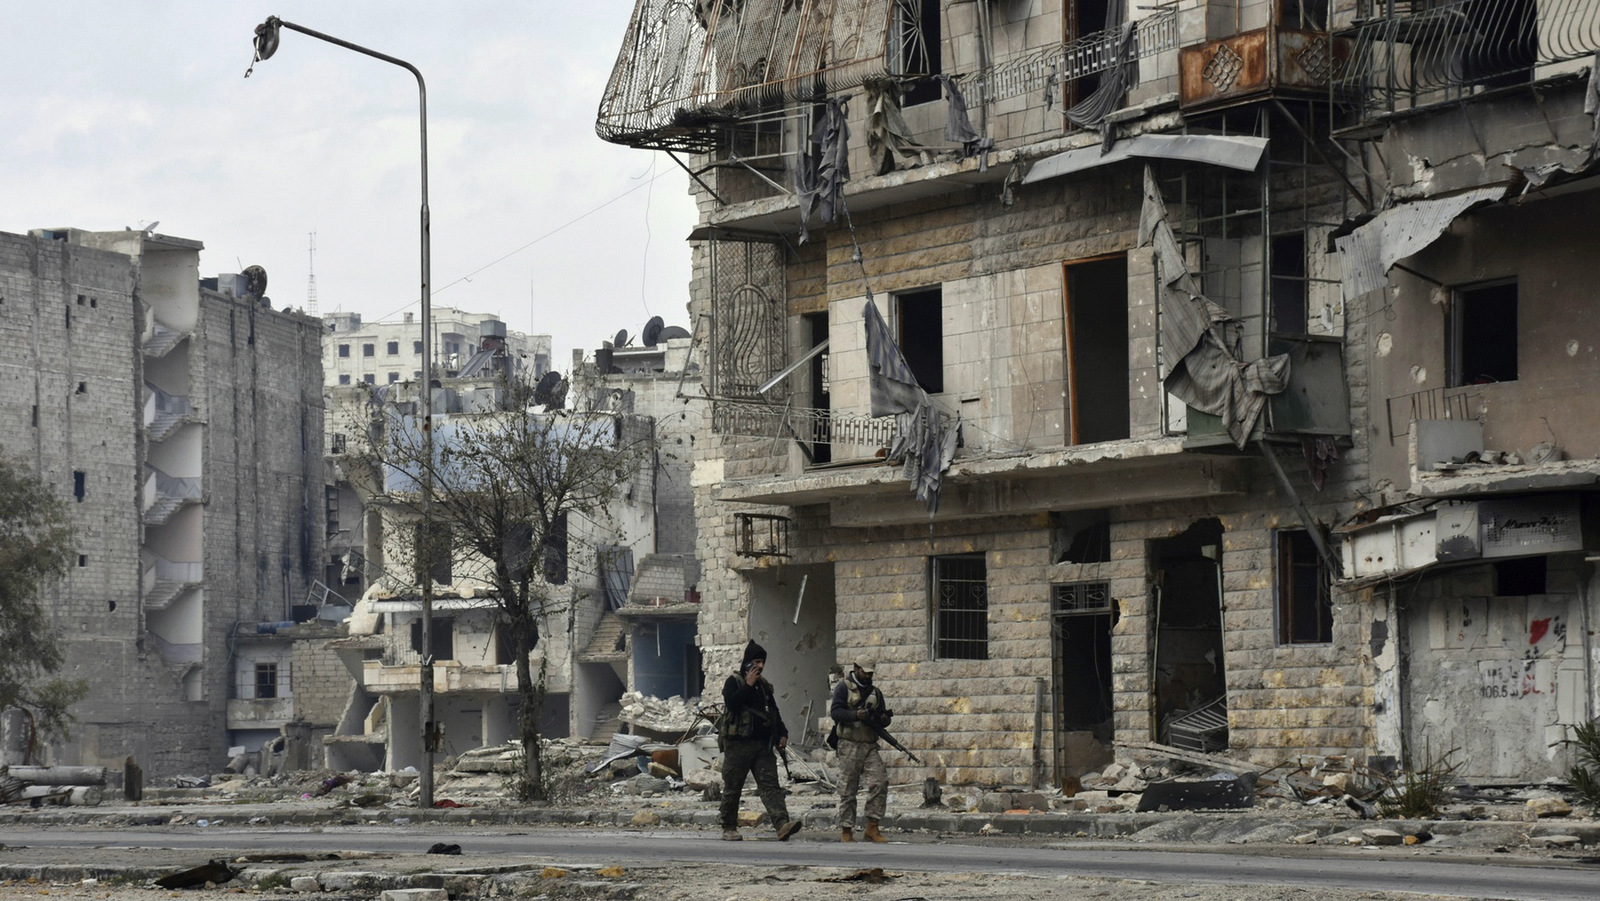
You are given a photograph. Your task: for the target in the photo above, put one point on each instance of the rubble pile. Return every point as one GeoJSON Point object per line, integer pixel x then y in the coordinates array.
{"type": "Point", "coordinates": [669, 715]}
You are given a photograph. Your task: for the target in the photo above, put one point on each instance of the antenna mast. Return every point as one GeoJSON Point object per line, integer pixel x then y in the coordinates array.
{"type": "Point", "coordinates": [311, 277]}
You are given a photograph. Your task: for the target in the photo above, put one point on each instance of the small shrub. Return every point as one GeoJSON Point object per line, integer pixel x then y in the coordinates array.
{"type": "Point", "coordinates": [1585, 776]}
{"type": "Point", "coordinates": [1419, 791]}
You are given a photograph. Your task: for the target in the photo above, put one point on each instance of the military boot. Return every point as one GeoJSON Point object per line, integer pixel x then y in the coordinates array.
{"type": "Point", "coordinates": [847, 834]}
{"type": "Point", "coordinates": [872, 834]}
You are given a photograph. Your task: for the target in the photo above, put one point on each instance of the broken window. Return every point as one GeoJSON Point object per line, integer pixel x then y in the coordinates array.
{"type": "Point", "coordinates": [1080, 536]}
{"type": "Point", "coordinates": [916, 38]}
{"type": "Point", "coordinates": [1305, 602]}
{"type": "Point", "coordinates": [919, 327]}
{"type": "Point", "coordinates": [1289, 293]}
{"type": "Point", "coordinates": [1482, 334]}
{"type": "Point", "coordinates": [505, 642]}
{"type": "Point", "coordinates": [960, 607]}
{"type": "Point", "coordinates": [266, 679]}
{"type": "Point", "coordinates": [1309, 15]}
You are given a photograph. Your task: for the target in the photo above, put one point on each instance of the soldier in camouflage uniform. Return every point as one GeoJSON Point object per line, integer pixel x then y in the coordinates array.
{"type": "Point", "coordinates": [752, 727]}
{"type": "Point", "coordinates": [857, 707]}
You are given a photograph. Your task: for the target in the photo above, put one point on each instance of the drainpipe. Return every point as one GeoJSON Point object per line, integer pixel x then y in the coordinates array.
{"type": "Point", "coordinates": [1588, 640]}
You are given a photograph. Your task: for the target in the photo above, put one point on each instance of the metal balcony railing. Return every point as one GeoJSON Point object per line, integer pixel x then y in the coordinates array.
{"type": "Point", "coordinates": [811, 426]}
{"type": "Point", "coordinates": [1088, 55]}
{"type": "Point", "coordinates": [1414, 53]}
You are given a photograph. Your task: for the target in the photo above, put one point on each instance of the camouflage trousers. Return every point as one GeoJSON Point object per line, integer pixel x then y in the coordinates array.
{"type": "Point", "coordinates": [858, 761]}
{"type": "Point", "coordinates": [740, 759]}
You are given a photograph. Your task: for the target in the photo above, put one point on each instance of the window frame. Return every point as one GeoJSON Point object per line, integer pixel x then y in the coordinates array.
{"type": "Point", "coordinates": [344, 350]}
{"type": "Point", "coordinates": [942, 617]}
{"type": "Point", "coordinates": [267, 688]}
{"type": "Point", "coordinates": [1294, 552]}
{"type": "Point", "coordinates": [391, 349]}
{"type": "Point", "coordinates": [369, 350]}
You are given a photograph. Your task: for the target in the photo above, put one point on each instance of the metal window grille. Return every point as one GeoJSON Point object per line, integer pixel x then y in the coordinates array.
{"type": "Point", "coordinates": [761, 535]}
{"type": "Point", "coordinates": [747, 313]}
{"type": "Point", "coordinates": [960, 607]}
{"type": "Point", "coordinates": [1305, 602]}
{"type": "Point", "coordinates": [1081, 597]}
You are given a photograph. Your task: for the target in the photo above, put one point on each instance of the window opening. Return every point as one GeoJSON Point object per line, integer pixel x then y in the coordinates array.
{"type": "Point", "coordinates": [1080, 536]}
{"type": "Point", "coordinates": [394, 377]}
{"type": "Point", "coordinates": [817, 325]}
{"type": "Point", "coordinates": [368, 350]}
{"type": "Point", "coordinates": [1483, 334]}
{"type": "Point", "coordinates": [416, 347]}
{"type": "Point", "coordinates": [83, 560]}
{"type": "Point", "coordinates": [370, 379]}
{"type": "Point", "coordinates": [1305, 603]}
{"type": "Point", "coordinates": [960, 607]}
{"type": "Point", "coordinates": [442, 637]}
{"type": "Point", "coordinates": [1097, 350]}
{"type": "Point", "coordinates": [1289, 292]}
{"type": "Point", "coordinates": [266, 680]}
{"type": "Point", "coordinates": [393, 348]}
{"type": "Point", "coordinates": [344, 378]}
{"type": "Point", "coordinates": [80, 481]}
{"type": "Point", "coordinates": [344, 350]}
{"type": "Point", "coordinates": [916, 48]}
{"type": "Point", "coordinates": [1520, 577]}
{"type": "Point", "coordinates": [919, 327]}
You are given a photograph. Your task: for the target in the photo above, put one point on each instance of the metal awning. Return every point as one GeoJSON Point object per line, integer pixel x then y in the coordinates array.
{"type": "Point", "coordinates": [1368, 253]}
{"type": "Point", "coordinates": [1218, 150]}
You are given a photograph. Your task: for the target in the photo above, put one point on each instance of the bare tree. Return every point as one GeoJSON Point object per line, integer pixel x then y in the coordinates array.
{"type": "Point", "coordinates": [518, 498]}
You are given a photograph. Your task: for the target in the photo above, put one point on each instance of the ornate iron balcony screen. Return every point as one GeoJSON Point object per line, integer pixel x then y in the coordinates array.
{"type": "Point", "coordinates": [1088, 55]}
{"type": "Point", "coordinates": [688, 64]}
{"type": "Point", "coordinates": [1411, 53]}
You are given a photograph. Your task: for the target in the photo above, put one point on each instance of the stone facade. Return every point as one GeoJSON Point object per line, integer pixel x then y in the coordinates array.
{"type": "Point", "coordinates": [87, 312]}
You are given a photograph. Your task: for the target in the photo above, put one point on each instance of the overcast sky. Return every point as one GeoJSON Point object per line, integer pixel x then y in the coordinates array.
{"type": "Point", "coordinates": [119, 114]}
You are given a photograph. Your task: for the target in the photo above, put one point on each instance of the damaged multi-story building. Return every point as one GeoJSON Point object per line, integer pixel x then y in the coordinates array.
{"type": "Point", "coordinates": [617, 580]}
{"type": "Point", "coordinates": [1208, 375]}
{"type": "Point", "coordinates": [179, 419]}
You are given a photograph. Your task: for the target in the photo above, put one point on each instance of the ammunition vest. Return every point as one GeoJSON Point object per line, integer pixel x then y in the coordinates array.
{"type": "Point", "coordinates": [743, 724]}
{"type": "Point", "coordinates": [859, 700]}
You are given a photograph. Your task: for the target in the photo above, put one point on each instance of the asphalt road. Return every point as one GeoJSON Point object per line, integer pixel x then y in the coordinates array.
{"type": "Point", "coordinates": [1391, 870]}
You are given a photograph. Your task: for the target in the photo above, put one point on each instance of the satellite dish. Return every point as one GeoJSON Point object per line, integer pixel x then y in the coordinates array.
{"type": "Point", "coordinates": [673, 331]}
{"type": "Point", "coordinates": [255, 281]}
{"type": "Point", "coordinates": [621, 340]}
{"type": "Point", "coordinates": [652, 331]}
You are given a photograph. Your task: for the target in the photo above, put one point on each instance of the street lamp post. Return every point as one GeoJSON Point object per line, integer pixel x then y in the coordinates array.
{"type": "Point", "coordinates": [266, 44]}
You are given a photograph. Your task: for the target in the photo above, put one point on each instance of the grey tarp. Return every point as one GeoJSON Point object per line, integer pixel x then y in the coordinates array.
{"type": "Point", "coordinates": [958, 126]}
{"type": "Point", "coordinates": [887, 131]}
{"type": "Point", "coordinates": [1208, 374]}
{"type": "Point", "coordinates": [819, 175]}
{"type": "Point", "coordinates": [925, 437]}
{"type": "Point", "coordinates": [1368, 253]}
{"type": "Point", "coordinates": [1115, 79]}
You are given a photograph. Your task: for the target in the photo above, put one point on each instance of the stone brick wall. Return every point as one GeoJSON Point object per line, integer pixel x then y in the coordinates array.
{"type": "Point", "coordinates": [320, 682]}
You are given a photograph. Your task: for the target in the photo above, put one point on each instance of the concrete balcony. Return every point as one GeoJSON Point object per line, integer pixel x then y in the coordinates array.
{"type": "Point", "coordinates": [259, 713]}
{"type": "Point", "coordinates": [382, 678]}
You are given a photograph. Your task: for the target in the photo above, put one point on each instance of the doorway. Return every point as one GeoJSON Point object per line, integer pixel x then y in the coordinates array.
{"type": "Point", "coordinates": [1188, 674]}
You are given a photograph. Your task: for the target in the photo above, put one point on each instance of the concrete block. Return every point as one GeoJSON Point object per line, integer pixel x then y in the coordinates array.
{"type": "Point", "coordinates": [415, 894]}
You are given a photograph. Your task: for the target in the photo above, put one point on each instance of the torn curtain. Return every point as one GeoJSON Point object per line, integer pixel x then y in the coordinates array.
{"type": "Point", "coordinates": [1208, 374]}
{"type": "Point", "coordinates": [820, 173]}
{"type": "Point", "coordinates": [926, 437]}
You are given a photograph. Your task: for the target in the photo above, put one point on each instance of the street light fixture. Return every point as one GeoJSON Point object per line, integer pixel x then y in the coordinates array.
{"type": "Point", "coordinates": [266, 44]}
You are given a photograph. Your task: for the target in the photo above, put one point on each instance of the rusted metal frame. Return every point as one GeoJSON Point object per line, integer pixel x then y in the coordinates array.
{"type": "Point", "coordinates": [1366, 204]}
{"type": "Point", "coordinates": [696, 176]}
{"type": "Point", "coordinates": [1313, 528]}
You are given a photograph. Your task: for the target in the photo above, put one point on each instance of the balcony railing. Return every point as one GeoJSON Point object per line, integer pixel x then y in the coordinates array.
{"type": "Point", "coordinates": [1088, 55]}
{"type": "Point", "coordinates": [1414, 53]}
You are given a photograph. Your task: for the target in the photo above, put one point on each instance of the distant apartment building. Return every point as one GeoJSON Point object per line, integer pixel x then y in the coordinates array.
{"type": "Point", "coordinates": [472, 346]}
{"type": "Point", "coordinates": [180, 420]}
{"type": "Point", "coordinates": [382, 353]}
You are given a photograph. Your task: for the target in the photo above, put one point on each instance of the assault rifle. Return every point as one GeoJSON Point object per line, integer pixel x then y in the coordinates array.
{"type": "Point", "coordinates": [893, 742]}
